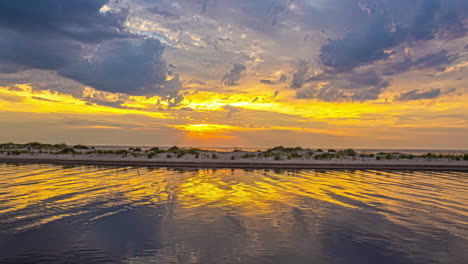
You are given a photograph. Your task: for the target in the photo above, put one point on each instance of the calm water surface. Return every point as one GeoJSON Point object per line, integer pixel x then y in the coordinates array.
{"type": "Point", "coordinates": [85, 214]}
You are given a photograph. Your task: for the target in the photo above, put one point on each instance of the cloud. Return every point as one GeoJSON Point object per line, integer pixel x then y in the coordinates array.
{"type": "Point", "coordinates": [358, 48]}
{"type": "Point", "coordinates": [234, 75]}
{"type": "Point", "coordinates": [78, 41]}
{"type": "Point", "coordinates": [299, 71]}
{"type": "Point", "coordinates": [231, 110]}
{"type": "Point", "coordinates": [281, 79]}
{"type": "Point", "coordinates": [336, 87]}
{"type": "Point", "coordinates": [257, 15]}
{"type": "Point", "coordinates": [438, 60]}
{"type": "Point", "coordinates": [322, 92]}
{"type": "Point", "coordinates": [383, 32]}
{"type": "Point", "coordinates": [19, 51]}
{"type": "Point", "coordinates": [367, 6]}
{"type": "Point", "coordinates": [80, 20]}
{"type": "Point", "coordinates": [132, 66]}
{"type": "Point", "coordinates": [367, 78]}
{"type": "Point", "coordinates": [418, 95]}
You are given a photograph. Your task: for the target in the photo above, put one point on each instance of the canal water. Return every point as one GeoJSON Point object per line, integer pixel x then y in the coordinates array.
{"type": "Point", "coordinates": [89, 214]}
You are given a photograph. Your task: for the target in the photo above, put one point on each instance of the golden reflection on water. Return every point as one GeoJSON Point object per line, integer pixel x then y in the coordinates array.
{"type": "Point", "coordinates": [260, 190]}
{"type": "Point", "coordinates": [250, 192]}
{"type": "Point", "coordinates": [229, 214]}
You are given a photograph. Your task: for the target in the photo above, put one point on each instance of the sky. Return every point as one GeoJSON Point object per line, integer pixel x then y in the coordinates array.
{"type": "Point", "coordinates": [235, 73]}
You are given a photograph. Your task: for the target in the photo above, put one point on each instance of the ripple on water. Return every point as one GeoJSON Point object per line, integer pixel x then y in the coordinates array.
{"type": "Point", "coordinates": [88, 214]}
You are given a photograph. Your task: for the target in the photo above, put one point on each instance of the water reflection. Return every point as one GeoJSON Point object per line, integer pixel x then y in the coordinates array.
{"type": "Point", "coordinates": [84, 214]}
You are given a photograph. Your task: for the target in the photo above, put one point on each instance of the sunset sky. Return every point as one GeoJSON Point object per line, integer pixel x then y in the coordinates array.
{"type": "Point", "coordinates": [247, 73]}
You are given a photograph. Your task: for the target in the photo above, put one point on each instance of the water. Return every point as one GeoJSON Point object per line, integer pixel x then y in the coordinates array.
{"type": "Point", "coordinates": [86, 214]}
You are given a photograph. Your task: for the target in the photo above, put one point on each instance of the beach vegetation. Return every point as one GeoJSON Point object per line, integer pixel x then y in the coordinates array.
{"type": "Point", "coordinates": [60, 146]}
{"type": "Point", "coordinates": [247, 156]}
{"type": "Point", "coordinates": [67, 151]}
{"type": "Point", "coordinates": [283, 149]}
{"type": "Point", "coordinates": [326, 156]}
{"type": "Point", "coordinates": [16, 152]}
{"type": "Point", "coordinates": [35, 145]}
{"type": "Point", "coordinates": [193, 151]}
{"type": "Point", "coordinates": [121, 152]}
{"type": "Point", "coordinates": [295, 155]}
{"type": "Point", "coordinates": [276, 153]}
{"type": "Point", "coordinates": [7, 145]}
{"type": "Point", "coordinates": [173, 149]}
{"type": "Point", "coordinates": [429, 156]}
{"type": "Point", "coordinates": [348, 152]}
{"type": "Point", "coordinates": [80, 147]}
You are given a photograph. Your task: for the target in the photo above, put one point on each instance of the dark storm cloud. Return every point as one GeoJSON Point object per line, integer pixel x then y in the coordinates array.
{"type": "Point", "coordinates": [368, 78]}
{"type": "Point", "coordinates": [418, 95]}
{"type": "Point", "coordinates": [384, 31]}
{"type": "Point", "coordinates": [437, 60]}
{"type": "Point", "coordinates": [19, 51]}
{"type": "Point", "coordinates": [77, 19]}
{"type": "Point", "coordinates": [234, 75]}
{"type": "Point", "coordinates": [76, 40]}
{"type": "Point", "coordinates": [124, 66]}
{"type": "Point", "coordinates": [358, 48]}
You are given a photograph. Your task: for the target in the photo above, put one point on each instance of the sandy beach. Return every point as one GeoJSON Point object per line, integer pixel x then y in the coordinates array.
{"type": "Point", "coordinates": [226, 162]}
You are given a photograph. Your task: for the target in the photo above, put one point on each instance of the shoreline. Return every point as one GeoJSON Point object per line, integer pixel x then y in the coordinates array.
{"type": "Point", "coordinates": [351, 165]}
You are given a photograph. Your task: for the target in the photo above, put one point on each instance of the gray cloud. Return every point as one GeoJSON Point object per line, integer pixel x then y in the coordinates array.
{"type": "Point", "coordinates": [258, 15]}
{"type": "Point", "coordinates": [79, 42]}
{"type": "Point", "coordinates": [418, 95]}
{"type": "Point", "coordinates": [298, 75]}
{"type": "Point", "coordinates": [281, 79]}
{"type": "Point", "coordinates": [438, 60]}
{"type": "Point", "coordinates": [234, 75]}
{"type": "Point", "coordinates": [349, 86]}
{"type": "Point", "coordinates": [231, 110]}
{"type": "Point", "coordinates": [335, 93]}
{"type": "Point", "coordinates": [126, 66]}
{"type": "Point", "coordinates": [359, 48]}
{"type": "Point", "coordinates": [365, 45]}
{"type": "Point", "coordinates": [368, 78]}
{"type": "Point", "coordinates": [325, 93]}
{"type": "Point", "coordinates": [19, 51]}
{"type": "Point", "coordinates": [51, 19]}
